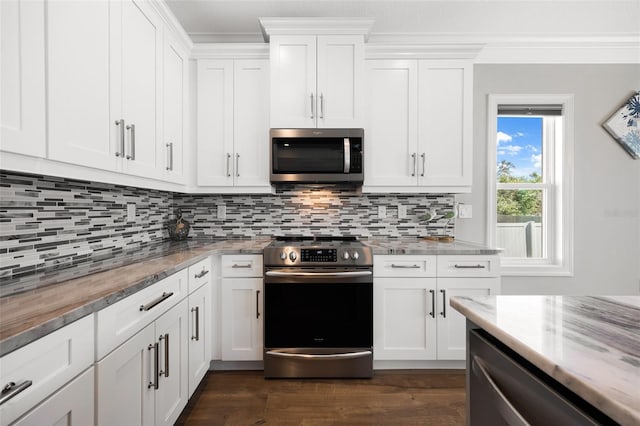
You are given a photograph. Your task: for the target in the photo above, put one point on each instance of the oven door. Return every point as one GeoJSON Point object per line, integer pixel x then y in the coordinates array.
{"type": "Point", "coordinates": [318, 324]}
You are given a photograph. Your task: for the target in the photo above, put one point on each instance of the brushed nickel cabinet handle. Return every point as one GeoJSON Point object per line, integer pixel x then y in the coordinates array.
{"type": "Point", "coordinates": [424, 159]}
{"type": "Point", "coordinates": [170, 149]}
{"type": "Point", "coordinates": [228, 159]}
{"type": "Point", "coordinates": [237, 165]}
{"type": "Point", "coordinates": [433, 303]}
{"type": "Point", "coordinates": [414, 159]}
{"type": "Point", "coordinates": [132, 145]}
{"type": "Point", "coordinates": [12, 389]}
{"type": "Point", "coordinates": [444, 303]}
{"type": "Point", "coordinates": [165, 337]}
{"type": "Point", "coordinates": [312, 107]}
{"type": "Point", "coordinates": [155, 302]}
{"type": "Point", "coordinates": [196, 310]}
{"type": "Point", "coordinates": [120, 123]}
{"type": "Point", "coordinates": [241, 266]}
{"type": "Point", "coordinates": [154, 383]}
{"type": "Point", "coordinates": [257, 304]}
{"type": "Point", "coordinates": [321, 106]}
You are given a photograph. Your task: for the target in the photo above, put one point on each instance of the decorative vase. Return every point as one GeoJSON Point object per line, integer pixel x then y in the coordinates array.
{"type": "Point", "coordinates": [178, 228]}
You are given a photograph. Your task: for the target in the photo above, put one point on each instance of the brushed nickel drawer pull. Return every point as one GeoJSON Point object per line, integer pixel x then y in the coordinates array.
{"type": "Point", "coordinates": [201, 274]}
{"type": "Point", "coordinates": [240, 266]}
{"type": "Point", "coordinates": [433, 304]}
{"type": "Point", "coordinates": [444, 303]}
{"type": "Point", "coordinates": [153, 303]}
{"type": "Point", "coordinates": [393, 265]}
{"type": "Point", "coordinates": [469, 266]}
{"type": "Point", "coordinates": [12, 389]}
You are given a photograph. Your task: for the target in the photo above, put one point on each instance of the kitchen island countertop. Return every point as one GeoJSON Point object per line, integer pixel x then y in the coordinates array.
{"type": "Point", "coordinates": [590, 345]}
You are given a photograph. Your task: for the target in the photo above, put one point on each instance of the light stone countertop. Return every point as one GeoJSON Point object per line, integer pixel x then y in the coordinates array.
{"type": "Point", "coordinates": [34, 305]}
{"type": "Point", "coordinates": [421, 246]}
{"type": "Point", "coordinates": [591, 345]}
{"type": "Point", "coordinates": [42, 303]}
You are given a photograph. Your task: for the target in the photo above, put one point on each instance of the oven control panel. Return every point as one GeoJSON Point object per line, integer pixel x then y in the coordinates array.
{"type": "Point", "coordinates": [319, 255]}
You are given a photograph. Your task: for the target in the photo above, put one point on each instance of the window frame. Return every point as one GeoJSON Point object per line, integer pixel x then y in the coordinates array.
{"type": "Point", "coordinates": [557, 188]}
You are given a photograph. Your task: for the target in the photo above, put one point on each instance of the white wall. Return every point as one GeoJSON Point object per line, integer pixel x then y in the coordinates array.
{"type": "Point", "coordinates": [607, 179]}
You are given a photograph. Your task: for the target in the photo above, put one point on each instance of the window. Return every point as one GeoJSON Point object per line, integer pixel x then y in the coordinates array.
{"type": "Point", "coordinates": [530, 183]}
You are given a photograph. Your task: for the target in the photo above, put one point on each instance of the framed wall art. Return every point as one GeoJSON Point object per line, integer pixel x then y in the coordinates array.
{"type": "Point", "coordinates": [624, 125]}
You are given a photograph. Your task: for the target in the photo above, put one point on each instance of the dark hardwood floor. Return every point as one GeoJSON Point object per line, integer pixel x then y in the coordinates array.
{"type": "Point", "coordinates": [400, 397]}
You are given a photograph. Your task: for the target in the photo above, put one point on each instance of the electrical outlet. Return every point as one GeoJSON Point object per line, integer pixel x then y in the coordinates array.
{"type": "Point", "coordinates": [402, 211]}
{"type": "Point", "coordinates": [131, 212]}
{"type": "Point", "coordinates": [465, 211]}
{"type": "Point", "coordinates": [382, 212]}
{"type": "Point", "coordinates": [222, 211]}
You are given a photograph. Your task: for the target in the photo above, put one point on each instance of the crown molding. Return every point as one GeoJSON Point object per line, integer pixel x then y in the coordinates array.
{"type": "Point", "coordinates": [422, 51]}
{"type": "Point", "coordinates": [315, 26]}
{"type": "Point", "coordinates": [171, 21]}
{"type": "Point", "coordinates": [230, 51]}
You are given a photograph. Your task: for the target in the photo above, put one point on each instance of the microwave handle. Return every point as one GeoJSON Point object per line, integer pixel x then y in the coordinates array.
{"type": "Point", "coordinates": [347, 155]}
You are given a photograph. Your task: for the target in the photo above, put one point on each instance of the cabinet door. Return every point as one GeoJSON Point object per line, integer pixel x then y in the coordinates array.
{"type": "Point", "coordinates": [22, 77]}
{"type": "Point", "coordinates": [404, 327]}
{"type": "Point", "coordinates": [174, 77]}
{"type": "Point", "coordinates": [199, 335]}
{"type": "Point", "coordinates": [340, 98]}
{"type": "Point", "coordinates": [293, 81]}
{"type": "Point", "coordinates": [79, 89]}
{"type": "Point", "coordinates": [242, 319]}
{"type": "Point", "coordinates": [251, 123]}
{"type": "Point", "coordinates": [215, 122]}
{"type": "Point", "coordinates": [72, 405]}
{"type": "Point", "coordinates": [445, 123]}
{"type": "Point", "coordinates": [141, 65]}
{"type": "Point", "coordinates": [391, 133]}
{"type": "Point", "coordinates": [172, 332]}
{"type": "Point", "coordinates": [124, 391]}
{"type": "Point", "coordinates": [451, 323]}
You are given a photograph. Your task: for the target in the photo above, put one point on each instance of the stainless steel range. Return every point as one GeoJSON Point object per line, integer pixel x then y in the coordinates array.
{"type": "Point", "coordinates": [318, 308]}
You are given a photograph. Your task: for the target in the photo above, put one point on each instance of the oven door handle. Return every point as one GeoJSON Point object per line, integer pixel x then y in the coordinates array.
{"type": "Point", "coordinates": [318, 274]}
{"type": "Point", "coordinates": [320, 356]}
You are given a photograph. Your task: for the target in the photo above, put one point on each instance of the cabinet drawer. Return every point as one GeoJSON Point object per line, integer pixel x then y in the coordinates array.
{"type": "Point", "coordinates": [468, 266]}
{"type": "Point", "coordinates": [242, 265]}
{"type": "Point", "coordinates": [199, 274]}
{"type": "Point", "coordinates": [404, 266]}
{"type": "Point", "coordinates": [118, 322]}
{"type": "Point", "coordinates": [48, 363]}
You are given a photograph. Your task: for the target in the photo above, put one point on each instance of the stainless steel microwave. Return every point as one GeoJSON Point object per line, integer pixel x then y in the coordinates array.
{"type": "Point", "coordinates": [317, 156]}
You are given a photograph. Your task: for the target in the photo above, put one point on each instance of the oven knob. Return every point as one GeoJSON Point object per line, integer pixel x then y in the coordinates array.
{"type": "Point", "coordinates": [345, 255]}
{"type": "Point", "coordinates": [293, 256]}
{"type": "Point", "coordinates": [283, 256]}
{"type": "Point", "coordinates": [355, 255]}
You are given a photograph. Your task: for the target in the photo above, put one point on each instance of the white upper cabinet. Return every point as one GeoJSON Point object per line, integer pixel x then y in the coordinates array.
{"type": "Point", "coordinates": [233, 124]}
{"type": "Point", "coordinates": [104, 76]}
{"type": "Point", "coordinates": [22, 77]}
{"type": "Point", "coordinates": [316, 81]}
{"type": "Point", "coordinates": [418, 133]}
{"type": "Point", "coordinates": [174, 105]}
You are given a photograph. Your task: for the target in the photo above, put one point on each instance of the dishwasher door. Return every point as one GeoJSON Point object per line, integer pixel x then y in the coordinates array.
{"type": "Point", "coordinates": [504, 391]}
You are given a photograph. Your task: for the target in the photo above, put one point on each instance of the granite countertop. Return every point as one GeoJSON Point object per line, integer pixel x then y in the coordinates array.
{"type": "Point", "coordinates": [36, 305]}
{"type": "Point", "coordinates": [421, 246]}
{"type": "Point", "coordinates": [591, 345]}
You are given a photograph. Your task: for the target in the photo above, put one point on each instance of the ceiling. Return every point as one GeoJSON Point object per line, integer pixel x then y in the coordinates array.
{"type": "Point", "coordinates": [237, 20]}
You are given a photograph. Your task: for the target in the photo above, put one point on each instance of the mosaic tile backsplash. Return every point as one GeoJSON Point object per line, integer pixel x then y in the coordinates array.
{"type": "Point", "coordinates": [54, 223]}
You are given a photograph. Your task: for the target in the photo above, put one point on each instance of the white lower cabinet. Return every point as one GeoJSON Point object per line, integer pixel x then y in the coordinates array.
{"type": "Point", "coordinates": [412, 317]}
{"type": "Point", "coordinates": [199, 335]}
{"type": "Point", "coordinates": [29, 375]}
{"type": "Point", "coordinates": [70, 406]}
{"type": "Point", "coordinates": [242, 319]}
{"type": "Point", "coordinates": [144, 381]}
